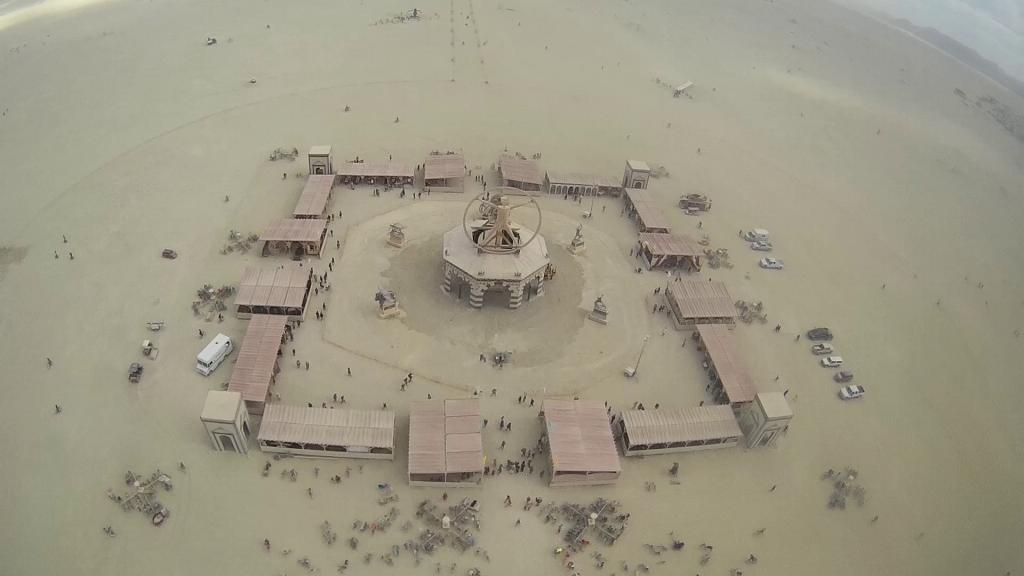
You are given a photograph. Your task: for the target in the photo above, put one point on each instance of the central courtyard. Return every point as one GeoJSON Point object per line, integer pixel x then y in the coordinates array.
{"type": "Point", "coordinates": [551, 344]}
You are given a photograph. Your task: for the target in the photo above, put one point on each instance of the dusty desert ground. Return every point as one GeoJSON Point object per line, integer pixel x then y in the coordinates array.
{"type": "Point", "coordinates": [123, 131]}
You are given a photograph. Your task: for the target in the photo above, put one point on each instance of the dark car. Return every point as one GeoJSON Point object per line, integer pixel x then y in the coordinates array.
{"type": "Point", "coordinates": [843, 376]}
{"type": "Point", "coordinates": [819, 334]}
{"type": "Point", "coordinates": [134, 372]}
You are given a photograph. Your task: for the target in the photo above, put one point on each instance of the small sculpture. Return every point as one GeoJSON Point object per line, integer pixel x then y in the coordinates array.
{"type": "Point", "coordinates": [396, 237]}
{"type": "Point", "coordinates": [387, 304]}
{"type": "Point", "coordinates": [577, 246]}
{"type": "Point", "coordinates": [600, 312]}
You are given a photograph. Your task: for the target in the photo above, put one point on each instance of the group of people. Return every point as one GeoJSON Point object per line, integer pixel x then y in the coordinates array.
{"type": "Point", "coordinates": [56, 255]}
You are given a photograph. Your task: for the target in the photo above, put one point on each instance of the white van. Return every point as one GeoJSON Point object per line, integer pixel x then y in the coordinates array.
{"type": "Point", "coordinates": [214, 353]}
{"type": "Point", "coordinates": [756, 235]}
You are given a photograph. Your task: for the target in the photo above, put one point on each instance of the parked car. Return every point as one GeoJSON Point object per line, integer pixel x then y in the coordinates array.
{"type": "Point", "coordinates": [821, 349]}
{"type": "Point", "coordinates": [851, 392]}
{"type": "Point", "coordinates": [694, 202]}
{"type": "Point", "coordinates": [818, 334]}
{"type": "Point", "coordinates": [756, 235]}
{"type": "Point", "coordinates": [771, 264]}
{"type": "Point", "coordinates": [762, 246]}
{"type": "Point", "coordinates": [169, 254]}
{"type": "Point", "coordinates": [832, 361]}
{"type": "Point", "coordinates": [843, 376]}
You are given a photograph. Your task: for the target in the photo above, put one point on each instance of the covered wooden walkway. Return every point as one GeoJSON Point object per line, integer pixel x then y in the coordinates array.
{"type": "Point", "coordinates": [258, 363]}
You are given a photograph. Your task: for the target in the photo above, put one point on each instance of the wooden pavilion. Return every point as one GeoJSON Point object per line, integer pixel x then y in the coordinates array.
{"type": "Point", "coordinates": [582, 448]}
{"type": "Point", "coordinates": [374, 173]}
{"type": "Point", "coordinates": [445, 173]}
{"type": "Point", "coordinates": [258, 361]}
{"type": "Point", "coordinates": [678, 430]}
{"type": "Point", "coordinates": [282, 291]}
{"type": "Point", "coordinates": [730, 381]}
{"type": "Point", "coordinates": [445, 443]}
{"type": "Point", "coordinates": [694, 302]}
{"type": "Point", "coordinates": [315, 195]}
{"type": "Point", "coordinates": [328, 433]}
{"type": "Point", "coordinates": [661, 250]}
{"type": "Point", "coordinates": [649, 217]}
{"type": "Point", "coordinates": [295, 236]}
{"type": "Point", "coordinates": [522, 173]}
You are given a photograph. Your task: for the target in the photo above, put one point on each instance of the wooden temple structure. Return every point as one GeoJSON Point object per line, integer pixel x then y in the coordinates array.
{"type": "Point", "coordinates": [500, 256]}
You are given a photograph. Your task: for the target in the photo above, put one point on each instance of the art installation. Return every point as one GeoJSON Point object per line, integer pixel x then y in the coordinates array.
{"type": "Point", "coordinates": [600, 312]}
{"type": "Point", "coordinates": [578, 246]}
{"type": "Point", "coordinates": [396, 236]}
{"type": "Point", "coordinates": [490, 251]}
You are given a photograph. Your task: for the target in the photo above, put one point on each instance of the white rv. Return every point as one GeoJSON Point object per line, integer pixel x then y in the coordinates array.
{"type": "Point", "coordinates": [214, 353]}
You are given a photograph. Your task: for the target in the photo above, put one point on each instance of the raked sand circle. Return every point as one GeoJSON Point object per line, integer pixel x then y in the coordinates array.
{"type": "Point", "coordinates": [549, 333]}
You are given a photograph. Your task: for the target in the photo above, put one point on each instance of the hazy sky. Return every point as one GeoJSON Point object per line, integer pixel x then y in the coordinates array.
{"type": "Point", "coordinates": [995, 28]}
